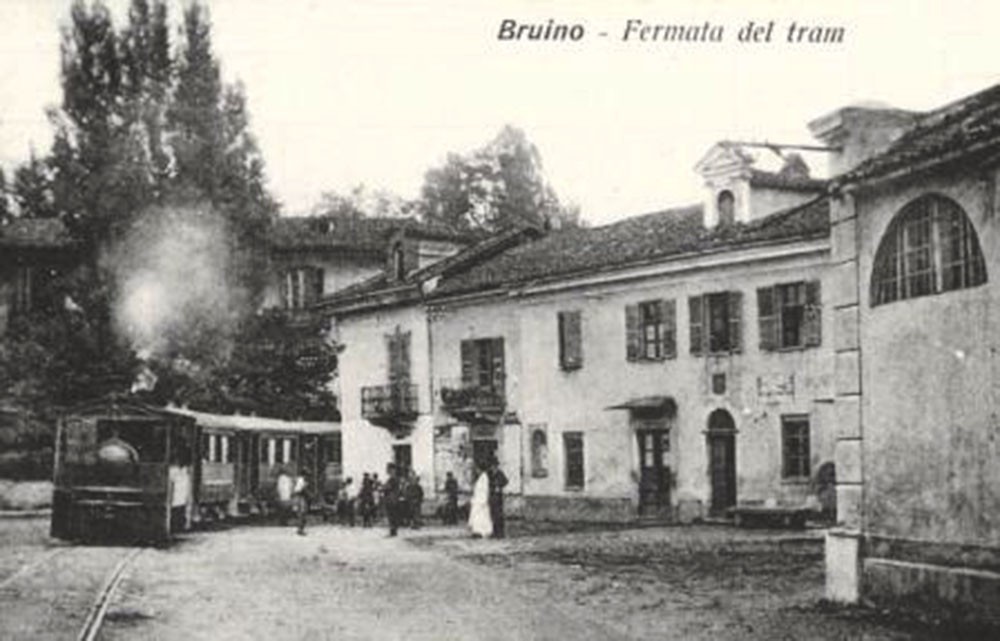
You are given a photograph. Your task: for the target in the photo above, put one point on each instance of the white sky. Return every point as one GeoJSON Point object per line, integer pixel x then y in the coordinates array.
{"type": "Point", "coordinates": [378, 91]}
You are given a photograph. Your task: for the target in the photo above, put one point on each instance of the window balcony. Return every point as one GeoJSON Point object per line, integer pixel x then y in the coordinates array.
{"type": "Point", "coordinates": [473, 403]}
{"type": "Point", "coordinates": [389, 405]}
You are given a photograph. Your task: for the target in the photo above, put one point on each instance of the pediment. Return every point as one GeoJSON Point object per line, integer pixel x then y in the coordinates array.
{"type": "Point", "coordinates": [723, 158]}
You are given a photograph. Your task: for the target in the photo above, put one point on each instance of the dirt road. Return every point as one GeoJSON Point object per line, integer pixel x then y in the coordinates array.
{"type": "Point", "coordinates": [700, 583]}
{"type": "Point", "coordinates": [267, 583]}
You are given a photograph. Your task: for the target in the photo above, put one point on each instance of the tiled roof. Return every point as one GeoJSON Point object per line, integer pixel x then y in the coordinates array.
{"type": "Point", "coordinates": [513, 258]}
{"type": "Point", "coordinates": [489, 247]}
{"type": "Point", "coordinates": [636, 240]}
{"type": "Point", "coordinates": [967, 126]}
{"type": "Point", "coordinates": [35, 233]}
{"type": "Point", "coordinates": [352, 234]}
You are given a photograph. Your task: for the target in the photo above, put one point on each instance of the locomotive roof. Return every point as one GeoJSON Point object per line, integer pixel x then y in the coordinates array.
{"type": "Point", "coordinates": [124, 407]}
{"type": "Point", "coordinates": [256, 423]}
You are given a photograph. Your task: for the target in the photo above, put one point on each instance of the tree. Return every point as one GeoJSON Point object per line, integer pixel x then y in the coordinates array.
{"type": "Point", "coordinates": [495, 187]}
{"type": "Point", "coordinates": [32, 189]}
{"type": "Point", "coordinates": [364, 202]}
{"type": "Point", "coordinates": [215, 153]}
{"type": "Point", "coordinates": [5, 208]}
{"type": "Point", "coordinates": [279, 367]}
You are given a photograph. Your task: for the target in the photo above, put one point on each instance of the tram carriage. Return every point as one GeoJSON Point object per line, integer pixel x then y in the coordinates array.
{"type": "Point", "coordinates": [242, 457]}
{"type": "Point", "coordinates": [124, 470]}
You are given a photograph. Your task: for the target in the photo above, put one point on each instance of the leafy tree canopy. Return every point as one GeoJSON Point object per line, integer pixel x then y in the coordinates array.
{"type": "Point", "coordinates": [497, 186]}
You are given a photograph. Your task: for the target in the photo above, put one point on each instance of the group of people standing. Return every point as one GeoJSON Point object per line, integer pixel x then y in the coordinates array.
{"type": "Point", "coordinates": [486, 516]}
{"type": "Point", "coordinates": [400, 498]}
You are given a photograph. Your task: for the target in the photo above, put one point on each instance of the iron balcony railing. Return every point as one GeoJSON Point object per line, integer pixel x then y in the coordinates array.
{"type": "Point", "coordinates": [456, 395]}
{"type": "Point", "coordinates": [388, 401]}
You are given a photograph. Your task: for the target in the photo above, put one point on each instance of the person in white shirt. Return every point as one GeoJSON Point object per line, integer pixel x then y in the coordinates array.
{"type": "Point", "coordinates": [300, 493]}
{"type": "Point", "coordinates": [283, 488]}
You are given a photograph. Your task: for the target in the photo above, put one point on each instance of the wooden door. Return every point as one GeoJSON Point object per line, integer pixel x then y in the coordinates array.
{"type": "Point", "coordinates": [402, 456]}
{"type": "Point", "coordinates": [722, 469]}
{"type": "Point", "coordinates": [483, 451]}
{"type": "Point", "coordinates": [655, 475]}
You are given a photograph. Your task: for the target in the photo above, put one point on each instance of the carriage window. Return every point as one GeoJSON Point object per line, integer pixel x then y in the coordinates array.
{"type": "Point", "coordinates": [228, 450]}
{"type": "Point", "coordinates": [289, 446]}
{"type": "Point", "coordinates": [930, 247]}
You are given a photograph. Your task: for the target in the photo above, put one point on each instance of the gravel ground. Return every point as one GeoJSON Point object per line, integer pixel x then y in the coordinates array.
{"type": "Point", "coordinates": [705, 582]}
{"type": "Point", "coordinates": [47, 588]}
{"type": "Point", "coordinates": [562, 582]}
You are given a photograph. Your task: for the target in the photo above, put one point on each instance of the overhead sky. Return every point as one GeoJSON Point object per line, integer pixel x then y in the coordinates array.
{"type": "Point", "coordinates": [378, 91]}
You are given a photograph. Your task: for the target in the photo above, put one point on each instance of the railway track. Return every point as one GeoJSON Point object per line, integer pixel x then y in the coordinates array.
{"type": "Point", "coordinates": [99, 608]}
{"type": "Point", "coordinates": [96, 616]}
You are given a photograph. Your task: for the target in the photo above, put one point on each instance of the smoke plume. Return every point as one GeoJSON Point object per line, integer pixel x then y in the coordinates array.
{"type": "Point", "coordinates": [175, 289]}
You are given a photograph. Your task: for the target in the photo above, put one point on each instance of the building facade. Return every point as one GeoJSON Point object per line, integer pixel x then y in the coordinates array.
{"type": "Point", "coordinates": [667, 366]}
{"type": "Point", "coordinates": [915, 260]}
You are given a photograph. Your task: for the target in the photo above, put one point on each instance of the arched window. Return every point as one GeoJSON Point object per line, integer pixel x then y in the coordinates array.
{"type": "Point", "coordinates": [726, 206]}
{"type": "Point", "coordinates": [539, 454]}
{"type": "Point", "coordinates": [930, 247]}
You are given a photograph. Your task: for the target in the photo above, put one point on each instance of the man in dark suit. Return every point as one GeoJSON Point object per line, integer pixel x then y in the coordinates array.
{"type": "Point", "coordinates": [392, 495]}
{"type": "Point", "coordinates": [498, 481]}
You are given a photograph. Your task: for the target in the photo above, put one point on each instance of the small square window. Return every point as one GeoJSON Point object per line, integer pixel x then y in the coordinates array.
{"type": "Point", "coordinates": [718, 383]}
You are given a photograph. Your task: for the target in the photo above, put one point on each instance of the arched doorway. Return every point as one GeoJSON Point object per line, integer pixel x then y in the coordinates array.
{"type": "Point", "coordinates": [722, 461]}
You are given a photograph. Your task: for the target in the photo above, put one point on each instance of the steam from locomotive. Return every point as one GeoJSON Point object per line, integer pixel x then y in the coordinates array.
{"type": "Point", "coordinates": [174, 284]}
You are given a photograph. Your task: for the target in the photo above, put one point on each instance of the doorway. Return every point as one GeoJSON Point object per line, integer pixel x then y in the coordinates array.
{"type": "Point", "coordinates": [655, 476]}
{"type": "Point", "coordinates": [402, 456]}
{"type": "Point", "coordinates": [483, 451]}
{"type": "Point", "coordinates": [722, 461]}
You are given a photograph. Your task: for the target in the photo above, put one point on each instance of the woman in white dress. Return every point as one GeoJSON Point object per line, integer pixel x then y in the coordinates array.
{"type": "Point", "coordinates": [479, 509]}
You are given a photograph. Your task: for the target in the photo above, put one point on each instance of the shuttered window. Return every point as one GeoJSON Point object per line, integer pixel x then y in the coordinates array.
{"type": "Point", "coordinates": [570, 340]}
{"type": "Point", "coordinates": [651, 330]}
{"type": "Point", "coordinates": [483, 363]}
{"type": "Point", "coordinates": [789, 316]}
{"type": "Point", "coordinates": [398, 344]}
{"type": "Point", "coordinates": [716, 323]}
{"type": "Point", "coordinates": [302, 286]}
{"type": "Point", "coordinates": [573, 452]}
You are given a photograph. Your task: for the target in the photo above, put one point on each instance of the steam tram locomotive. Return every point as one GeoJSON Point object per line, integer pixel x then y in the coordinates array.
{"type": "Point", "coordinates": [127, 470]}
{"type": "Point", "coordinates": [124, 470]}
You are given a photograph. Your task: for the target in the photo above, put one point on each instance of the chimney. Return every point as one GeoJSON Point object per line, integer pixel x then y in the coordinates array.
{"type": "Point", "coordinates": [860, 132]}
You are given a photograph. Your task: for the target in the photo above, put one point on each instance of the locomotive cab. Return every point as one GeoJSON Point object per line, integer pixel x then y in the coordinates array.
{"type": "Point", "coordinates": [123, 470]}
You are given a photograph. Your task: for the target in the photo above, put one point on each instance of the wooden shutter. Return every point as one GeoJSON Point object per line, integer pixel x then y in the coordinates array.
{"type": "Point", "coordinates": [735, 317]}
{"type": "Point", "coordinates": [403, 350]}
{"type": "Point", "coordinates": [468, 363]}
{"type": "Point", "coordinates": [392, 345]}
{"type": "Point", "coordinates": [496, 356]}
{"type": "Point", "coordinates": [767, 318]}
{"type": "Point", "coordinates": [570, 340]}
{"type": "Point", "coordinates": [696, 315]}
{"type": "Point", "coordinates": [812, 325]}
{"type": "Point", "coordinates": [668, 312]}
{"type": "Point", "coordinates": [283, 290]}
{"type": "Point", "coordinates": [316, 284]}
{"type": "Point", "coordinates": [633, 336]}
